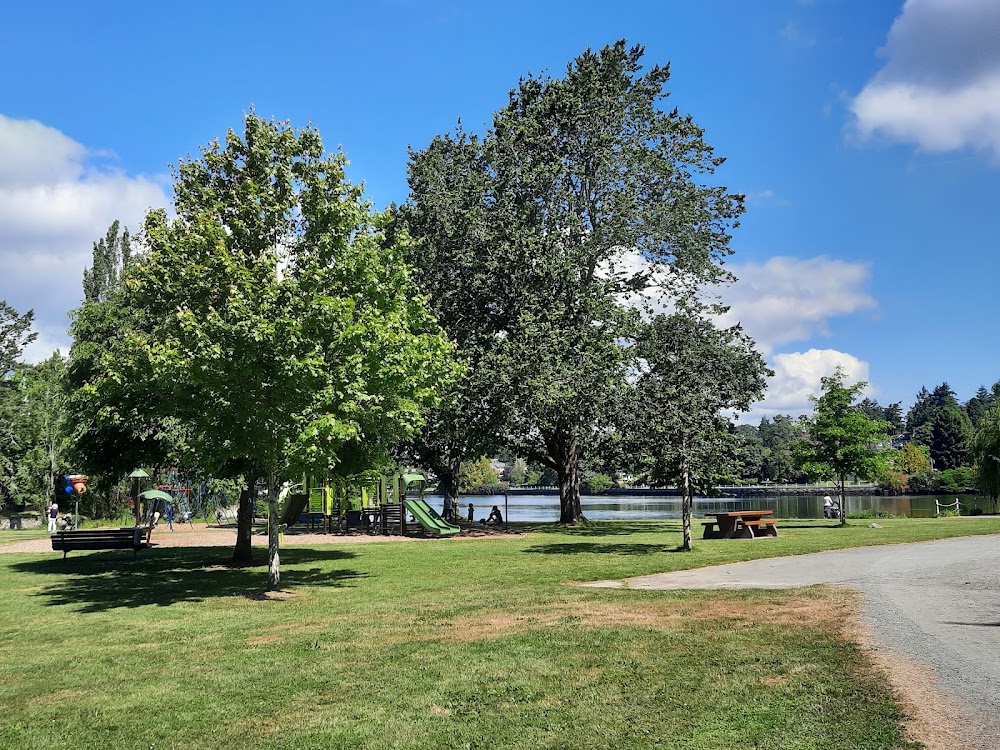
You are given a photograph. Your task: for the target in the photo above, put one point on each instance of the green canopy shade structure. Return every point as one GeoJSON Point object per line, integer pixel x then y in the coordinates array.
{"type": "Point", "coordinates": [138, 474]}
{"type": "Point", "coordinates": [155, 495]}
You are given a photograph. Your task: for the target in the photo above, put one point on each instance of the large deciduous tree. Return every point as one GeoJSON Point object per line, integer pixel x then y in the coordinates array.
{"type": "Point", "coordinates": [693, 372]}
{"type": "Point", "coordinates": [842, 440]}
{"type": "Point", "coordinates": [583, 192]}
{"type": "Point", "coordinates": [448, 216]}
{"type": "Point", "coordinates": [280, 329]}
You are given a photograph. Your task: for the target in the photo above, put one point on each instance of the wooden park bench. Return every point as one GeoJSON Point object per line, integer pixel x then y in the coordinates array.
{"type": "Point", "coordinates": [133, 538]}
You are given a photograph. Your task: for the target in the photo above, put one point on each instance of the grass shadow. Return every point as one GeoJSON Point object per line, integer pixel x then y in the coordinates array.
{"type": "Point", "coordinates": [604, 528]}
{"type": "Point", "coordinates": [109, 580]}
{"type": "Point", "coordinates": [592, 548]}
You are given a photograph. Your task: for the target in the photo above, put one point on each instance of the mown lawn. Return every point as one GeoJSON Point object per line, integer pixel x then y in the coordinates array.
{"type": "Point", "coordinates": [440, 644]}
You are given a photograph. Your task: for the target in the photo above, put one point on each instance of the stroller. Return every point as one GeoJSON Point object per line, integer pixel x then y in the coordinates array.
{"type": "Point", "coordinates": [831, 508]}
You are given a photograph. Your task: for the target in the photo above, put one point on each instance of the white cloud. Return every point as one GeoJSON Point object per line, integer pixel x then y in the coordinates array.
{"type": "Point", "coordinates": [797, 376]}
{"type": "Point", "coordinates": [789, 299]}
{"type": "Point", "coordinates": [781, 300]}
{"type": "Point", "coordinates": [940, 86]}
{"type": "Point", "coordinates": [55, 201]}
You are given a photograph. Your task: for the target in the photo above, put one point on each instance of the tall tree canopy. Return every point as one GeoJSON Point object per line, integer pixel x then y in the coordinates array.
{"type": "Point", "coordinates": [279, 327]}
{"type": "Point", "coordinates": [584, 191]}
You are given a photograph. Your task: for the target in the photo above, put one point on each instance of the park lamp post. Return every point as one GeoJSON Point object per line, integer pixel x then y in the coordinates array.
{"type": "Point", "coordinates": [137, 475]}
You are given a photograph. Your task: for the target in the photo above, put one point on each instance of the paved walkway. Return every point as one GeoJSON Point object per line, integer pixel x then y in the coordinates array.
{"type": "Point", "coordinates": [937, 603]}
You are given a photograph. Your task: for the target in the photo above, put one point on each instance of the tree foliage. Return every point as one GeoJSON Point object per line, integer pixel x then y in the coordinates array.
{"type": "Point", "coordinates": [985, 451]}
{"type": "Point", "coordinates": [15, 335]}
{"type": "Point", "coordinates": [277, 325]}
{"type": "Point", "coordinates": [842, 440]}
{"type": "Point", "coordinates": [584, 192]}
{"type": "Point", "coordinates": [693, 372]}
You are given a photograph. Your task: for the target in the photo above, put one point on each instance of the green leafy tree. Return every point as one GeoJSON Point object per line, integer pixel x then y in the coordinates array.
{"type": "Point", "coordinates": [15, 335]}
{"type": "Point", "coordinates": [843, 441]}
{"type": "Point", "coordinates": [985, 451]}
{"type": "Point", "coordinates": [105, 444]}
{"type": "Point", "coordinates": [447, 216]}
{"type": "Point", "coordinates": [479, 474]}
{"type": "Point", "coordinates": [693, 372]}
{"type": "Point", "coordinates": [779, 437]}
{"type": "Point", "coordinates": [280, 327]}
{"type": "Point", "coordinates": [577, 178]}
{"type": "Point", "coordinates": [912, 459]}
{"type": "Point", "coordinates": [42, 428]}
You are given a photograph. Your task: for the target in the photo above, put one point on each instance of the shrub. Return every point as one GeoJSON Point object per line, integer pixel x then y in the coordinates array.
{"type": "Point", "coordinates": [926, 482]}
{"type": "Point", "coordinates": [599, 483]}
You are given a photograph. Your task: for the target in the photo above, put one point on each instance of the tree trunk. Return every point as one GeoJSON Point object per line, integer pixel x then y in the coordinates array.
{"type": "Point", "coordinates": [243, 555]}
{"type": "Point", "coordinates": [450, 479]}
{"type": "Point", "coordinates": [273, 552]}
{"type": "Point", "coordinates": [843, 502]}
{"type": "Point", "coordinates": [687, 502]}
{"type": "Point", "coordinates": [568, 469]}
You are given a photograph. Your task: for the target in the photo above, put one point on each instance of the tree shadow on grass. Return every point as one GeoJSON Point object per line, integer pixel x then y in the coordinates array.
{"type": "Point", "coordinates": [607, 528]}
{"type": "Point", "coordinates": [592, 548]}
{"type": "Point", "coordinates": [110, 580]}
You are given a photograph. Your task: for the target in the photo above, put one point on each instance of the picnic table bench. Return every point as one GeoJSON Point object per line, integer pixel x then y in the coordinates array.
{"type": "Point", "coordinates": [134, 538]}
{"type": "Point", "coordinates": [745, 524]}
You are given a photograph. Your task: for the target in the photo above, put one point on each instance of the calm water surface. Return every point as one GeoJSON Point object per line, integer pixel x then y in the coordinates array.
{"type": "Point", "coordinates": [539, 508]}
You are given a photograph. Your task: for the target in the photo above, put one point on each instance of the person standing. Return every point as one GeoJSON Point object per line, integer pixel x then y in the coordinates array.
{"type": "Point", "coordinates": [53, 515]}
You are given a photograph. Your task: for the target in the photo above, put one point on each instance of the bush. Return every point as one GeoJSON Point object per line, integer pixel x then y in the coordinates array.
{"type": "Point", "coordinates": [495, 488]}
{"type": "Point", "coordinates": [957, 480]}
{"type": "Point", "coordinates": [893, 483]}
{"type": "Point", "coordinates": [926, 482]}
{"type": "Point", "coordinates": [598, 483]}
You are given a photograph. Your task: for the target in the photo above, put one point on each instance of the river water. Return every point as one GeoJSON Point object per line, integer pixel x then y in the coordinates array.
{"type": "Point", "coordinates": [539, 508]}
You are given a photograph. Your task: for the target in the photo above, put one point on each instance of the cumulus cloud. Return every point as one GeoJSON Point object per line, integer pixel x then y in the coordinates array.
{"type": "Point", "coordinates": [798, 375]}
{"type": "Point", "coordinates": [787, 299]}
{"type": "Point", "coordinates": [55, 200]}
{"type": "Point", "coordinates": [780, 301]}
{"type": "Point", "coordinates": [940, 85]}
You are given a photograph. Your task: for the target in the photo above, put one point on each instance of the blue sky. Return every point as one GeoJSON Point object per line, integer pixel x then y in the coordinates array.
{"type": "Point", "coordinates": [865, 133]}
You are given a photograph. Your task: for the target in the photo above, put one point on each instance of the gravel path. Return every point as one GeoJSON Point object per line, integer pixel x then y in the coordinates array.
{"type": "Point", "coordinates": [935, 604]}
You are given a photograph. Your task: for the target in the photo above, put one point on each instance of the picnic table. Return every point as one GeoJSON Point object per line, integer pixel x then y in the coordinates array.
{"type": "Point", "coordinates": [744, 524]}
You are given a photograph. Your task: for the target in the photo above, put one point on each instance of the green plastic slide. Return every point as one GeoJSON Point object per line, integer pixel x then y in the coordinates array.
{"type": "Point", "coordinates": [294, 505]}
{"type": "Point", "coordinates": [428, 517]}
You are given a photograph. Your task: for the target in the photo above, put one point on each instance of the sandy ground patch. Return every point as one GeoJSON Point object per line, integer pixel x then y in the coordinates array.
{"type": "Point", "coordinates": [225, 536]}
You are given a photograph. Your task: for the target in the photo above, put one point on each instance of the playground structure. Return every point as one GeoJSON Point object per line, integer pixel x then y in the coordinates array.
{"type": "Point", "coordinates": [372, 503]}
{"type": "Point", "coordinates": [177, 498]}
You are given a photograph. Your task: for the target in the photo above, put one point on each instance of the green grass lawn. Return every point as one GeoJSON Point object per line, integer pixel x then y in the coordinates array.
{"type": "Point", "coordinates": [441, 644]}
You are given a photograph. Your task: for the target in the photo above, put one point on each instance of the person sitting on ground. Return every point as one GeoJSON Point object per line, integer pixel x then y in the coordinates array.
{"type": "Point", "coordinates": [495, 517]}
